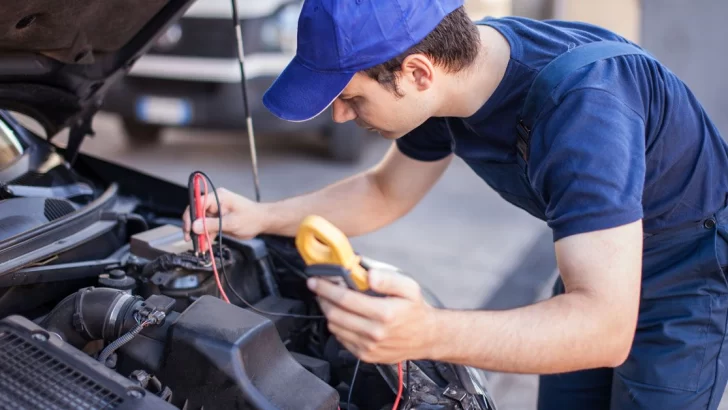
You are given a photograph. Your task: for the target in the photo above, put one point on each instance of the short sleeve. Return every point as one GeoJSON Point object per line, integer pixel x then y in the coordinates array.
{"type": "Point", "coordinates": [431, 141]}
{"type": "Point", "coordinates": [588, 162]}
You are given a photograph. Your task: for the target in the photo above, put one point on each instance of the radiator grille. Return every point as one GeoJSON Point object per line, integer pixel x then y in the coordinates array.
{"type": "Point", "coordinates": [32, 379]}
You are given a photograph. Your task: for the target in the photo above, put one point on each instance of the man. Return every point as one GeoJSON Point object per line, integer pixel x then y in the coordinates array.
{"type": "Point", "coordinates": [617, 157]}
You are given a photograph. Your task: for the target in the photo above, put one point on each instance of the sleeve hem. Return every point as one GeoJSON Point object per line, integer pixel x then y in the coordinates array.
{"type": "Point", "coordinates": [595, 224]}
{"type": "Point", "coordinates": [419, 155]}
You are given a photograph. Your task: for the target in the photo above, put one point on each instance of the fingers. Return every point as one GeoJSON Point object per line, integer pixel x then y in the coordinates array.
{"type": "Point", "coordinates": [197, 227]}
{"type": "Point", "coordinates": [345, 298]}
{"type": "Point", "coordinates": [229, 225]}
{"type": "Point", "coordinates": [348, 320]}
{"type": "Point", "coordinates": [211, 209]}
{"type": "Point", "coordinates": [366, 349]}
{"type": "Point", "coordinates": [351, 341]}
{"type": "Point", "coordinates": [395, 284]}
{"type": "Point", "coordinates": [212, 224]}
{"type": "Point", "coordinates": [186, 223]}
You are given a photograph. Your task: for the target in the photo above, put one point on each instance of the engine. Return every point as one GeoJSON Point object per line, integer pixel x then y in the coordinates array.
{"type": "Point", "coordinates": [157, 318]}
{"type": "Point", "coordinates": [150, 330]}
{"type": "Point", "coordinates": [211, 355]}
{"type": "Point", "coordinates": [103, 305]}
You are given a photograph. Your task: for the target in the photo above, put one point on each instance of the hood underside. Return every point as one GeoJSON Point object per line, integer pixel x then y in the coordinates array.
{"type": "Point", "coordinates": [58, 57]}
{"type": "Point", "coordinates": [72, 31]}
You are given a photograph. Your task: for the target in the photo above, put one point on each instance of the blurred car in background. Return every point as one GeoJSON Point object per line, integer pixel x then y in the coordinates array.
{"type": "Point", "coordinates": [191, 77]}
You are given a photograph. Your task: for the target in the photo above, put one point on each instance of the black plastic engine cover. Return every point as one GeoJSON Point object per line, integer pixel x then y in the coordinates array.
{"type": "Point", "coordinates": [222, 356]}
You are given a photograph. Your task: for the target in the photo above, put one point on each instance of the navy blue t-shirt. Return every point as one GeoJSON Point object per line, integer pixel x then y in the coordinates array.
{"type": "Point", "coordinates": [619, 140]}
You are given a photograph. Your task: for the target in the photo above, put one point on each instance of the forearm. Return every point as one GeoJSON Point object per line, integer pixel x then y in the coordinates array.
{"type": "Point", "coordinates": [561, 334]}
{"type": "Point", "coordinates": [356, 205]}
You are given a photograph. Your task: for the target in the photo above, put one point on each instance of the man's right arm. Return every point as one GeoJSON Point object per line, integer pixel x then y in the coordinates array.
{"type": "Point", "coordinates": [364, 202]}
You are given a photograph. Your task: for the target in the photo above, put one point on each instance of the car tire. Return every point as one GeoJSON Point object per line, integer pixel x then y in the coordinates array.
{"type": "Point", "coordinates": [141, 134]}
{"type": "Point", "coordinates": [345, 142]}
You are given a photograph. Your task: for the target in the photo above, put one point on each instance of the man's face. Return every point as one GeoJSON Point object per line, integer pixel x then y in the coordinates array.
{"type": "Point", "coordinates": [374, 107]}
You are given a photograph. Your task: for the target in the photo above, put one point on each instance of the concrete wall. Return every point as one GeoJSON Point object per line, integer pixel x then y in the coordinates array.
{"type": "Point", "coordinates": [478, 9]}
{"type": "Point", "coordinates": [535, 9]}
{"type": "Point", "coordinates": [691, 38]}
{"type": "Point", "coordinates": [621, 16]}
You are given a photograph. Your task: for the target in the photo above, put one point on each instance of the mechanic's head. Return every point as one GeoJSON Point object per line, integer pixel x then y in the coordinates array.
{"type": "Point", "coordinates": [384, 64]}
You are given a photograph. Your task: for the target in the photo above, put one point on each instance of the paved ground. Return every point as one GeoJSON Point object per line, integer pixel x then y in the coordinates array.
{"type": "Point", "coordinates": [462, 241]}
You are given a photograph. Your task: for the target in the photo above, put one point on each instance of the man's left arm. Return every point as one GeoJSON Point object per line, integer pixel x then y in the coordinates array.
{"type": "Point", "coordinates": [591, 325]}
{"type": "Point", "coordinates": [588, 162]}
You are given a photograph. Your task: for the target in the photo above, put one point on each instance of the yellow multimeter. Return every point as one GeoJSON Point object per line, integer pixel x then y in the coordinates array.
{"type": "Point", "coordinates": [328, 253]}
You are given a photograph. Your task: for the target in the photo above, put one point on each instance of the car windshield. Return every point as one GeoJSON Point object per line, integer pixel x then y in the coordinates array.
{"type": "Point", "coordinates": [10, 147]}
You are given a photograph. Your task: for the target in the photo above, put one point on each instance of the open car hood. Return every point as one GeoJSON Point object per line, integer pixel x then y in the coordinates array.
{"type": "Point", "coordinates": [59, 57]}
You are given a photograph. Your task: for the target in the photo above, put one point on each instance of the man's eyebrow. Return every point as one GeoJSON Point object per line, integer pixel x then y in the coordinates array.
{"type": "Point", "coordinates": [345, 96]}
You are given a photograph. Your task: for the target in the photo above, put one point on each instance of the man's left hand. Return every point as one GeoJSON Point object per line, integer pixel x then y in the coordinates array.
{"type": "Point", "coordinates": [385, 330]}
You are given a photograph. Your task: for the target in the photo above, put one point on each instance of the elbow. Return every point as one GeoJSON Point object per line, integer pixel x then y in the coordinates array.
{"type": "Point", "coordinates": [620, 342]}
{"type": "Point", "coordinates": [620, 355]}
{"type": "Point", "coordinates": [391, 206]}
{"type": "Point", "coordinates": [613, 338]}
{"type": "Point", "coordinates": [611, 341]}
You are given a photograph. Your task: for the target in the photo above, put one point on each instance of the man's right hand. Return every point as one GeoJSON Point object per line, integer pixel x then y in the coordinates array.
{"type": "Point", "coordinates": [357, 205]}
{"type": "Point", "coordinates": [242, 218]}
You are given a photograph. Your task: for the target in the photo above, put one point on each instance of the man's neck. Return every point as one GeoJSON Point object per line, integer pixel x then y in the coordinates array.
{"type": "Point", "coordinates": [469, 90]}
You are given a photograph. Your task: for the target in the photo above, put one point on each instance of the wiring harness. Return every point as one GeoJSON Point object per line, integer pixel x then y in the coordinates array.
{"type": "Point", "coordinates": [199, 196]}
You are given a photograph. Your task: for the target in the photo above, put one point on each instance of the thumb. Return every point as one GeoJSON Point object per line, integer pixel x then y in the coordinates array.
{"type": "Point", "coordinates": [213, 226]}
{"type": "Point", "coordinates": [392, 283]}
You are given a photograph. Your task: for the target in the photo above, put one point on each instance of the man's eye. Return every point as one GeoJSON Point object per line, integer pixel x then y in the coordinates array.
{"type": "Point", "coordinates": [351, 101]}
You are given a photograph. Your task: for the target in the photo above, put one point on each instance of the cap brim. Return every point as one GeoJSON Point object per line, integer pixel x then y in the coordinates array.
{"type": "Point", "coordinates": [300, 94]}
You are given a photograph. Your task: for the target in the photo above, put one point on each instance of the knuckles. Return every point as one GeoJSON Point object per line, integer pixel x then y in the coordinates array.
{"type": "Point", "coordinates": [387, 316]}
{"type": "Point", "coordinates": [365, 357]}
{"type": "Point", "coordinates": [377, 334]}
{"type": "Point", "coordinates": [334, 292]}
{"type": "Point", "coordinates": [368, 351]}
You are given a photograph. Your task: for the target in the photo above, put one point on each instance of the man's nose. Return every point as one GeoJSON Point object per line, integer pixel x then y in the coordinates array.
{"type": "Point", "coordinates": [342, 112]}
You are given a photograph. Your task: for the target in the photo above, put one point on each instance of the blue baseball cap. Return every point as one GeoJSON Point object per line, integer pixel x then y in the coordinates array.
{"type": "Point", "coordinates": [338, 38]}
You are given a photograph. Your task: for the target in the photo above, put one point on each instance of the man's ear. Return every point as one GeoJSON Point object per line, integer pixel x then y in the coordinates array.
{"type": "Point", "coordinates": [418, 70]}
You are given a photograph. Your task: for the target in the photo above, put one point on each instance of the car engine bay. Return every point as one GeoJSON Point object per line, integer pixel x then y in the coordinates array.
{"type": "Point", "coordinates": [104, 305]}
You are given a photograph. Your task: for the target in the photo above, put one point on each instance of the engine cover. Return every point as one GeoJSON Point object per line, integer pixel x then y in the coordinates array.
{"type": "Point", "coordinates": [222, 356]}
{"type": "Point", "coordinates": [40, 371]}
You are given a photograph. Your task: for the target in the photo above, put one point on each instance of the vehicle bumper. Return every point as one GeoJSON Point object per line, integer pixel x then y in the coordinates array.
{"type": "Point", "coordinates": [199, 104]}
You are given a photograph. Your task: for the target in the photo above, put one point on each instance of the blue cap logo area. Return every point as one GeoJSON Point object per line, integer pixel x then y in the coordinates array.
{"type": "Point", "coordinates": [338, 38]}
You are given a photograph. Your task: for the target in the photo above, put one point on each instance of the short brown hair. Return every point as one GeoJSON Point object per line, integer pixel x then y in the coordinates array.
{"type": "Point", "coordinates": [453, 44]}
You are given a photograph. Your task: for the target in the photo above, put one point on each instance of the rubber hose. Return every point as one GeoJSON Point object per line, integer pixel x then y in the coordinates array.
{"type": "Point", "coordinates": [91, 314]}
{"type": "Point", "coordinates": [60, 321]}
